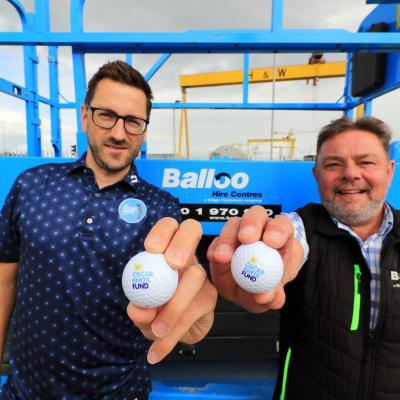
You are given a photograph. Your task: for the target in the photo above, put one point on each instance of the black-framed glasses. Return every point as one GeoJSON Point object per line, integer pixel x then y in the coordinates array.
{"type": "Point", "coordinates": [107, 119]}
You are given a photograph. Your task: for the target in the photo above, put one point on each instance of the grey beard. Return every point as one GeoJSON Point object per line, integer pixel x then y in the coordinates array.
{"type": "Point", "coordinates": [353, 218]}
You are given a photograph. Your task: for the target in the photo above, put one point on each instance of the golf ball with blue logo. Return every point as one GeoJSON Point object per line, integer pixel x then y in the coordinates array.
{"type": "Point", "coordinates": [148, 281]}
{"type": "Point", "coordinates": [256, 267]}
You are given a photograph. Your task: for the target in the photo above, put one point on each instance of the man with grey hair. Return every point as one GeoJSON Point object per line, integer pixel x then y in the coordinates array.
{"type": "Point", "coordinates": [339, 295]}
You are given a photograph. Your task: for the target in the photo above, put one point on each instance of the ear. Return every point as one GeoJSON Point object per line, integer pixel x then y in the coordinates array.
{"type": "Point", "coordinates": [315, 171]}
{"type": "Point", "coordinates": [84, 117]}
{"type": "Point", "coordinates": [390, 170]}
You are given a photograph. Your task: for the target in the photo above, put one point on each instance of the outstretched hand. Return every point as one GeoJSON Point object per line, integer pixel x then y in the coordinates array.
{"type": "Point", "coordinates": [188, 316]}
{"type": "Point", "coordinates": [253, 226]}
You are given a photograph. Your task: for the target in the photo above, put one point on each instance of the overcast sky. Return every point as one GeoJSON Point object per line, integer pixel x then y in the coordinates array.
{"type": "Point", "coordinates": [208, 129]}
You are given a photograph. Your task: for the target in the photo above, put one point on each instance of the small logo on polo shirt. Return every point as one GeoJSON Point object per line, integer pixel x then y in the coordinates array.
{"type": "Point", "coordinates": [133, 178]}
{"type": "Point", "coordinates": [132, 211]}
{"type": "Point", "coordinates": [395, 277]}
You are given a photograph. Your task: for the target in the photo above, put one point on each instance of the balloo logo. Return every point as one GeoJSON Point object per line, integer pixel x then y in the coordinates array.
{"type": "Point", "coordinates": [205, 179]}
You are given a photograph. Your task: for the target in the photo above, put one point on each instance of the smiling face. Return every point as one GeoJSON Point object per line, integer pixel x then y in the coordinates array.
{"type": "Point", "coordinates": [111, 151]}
{"type": "Point", "coordinates": [353, 173]}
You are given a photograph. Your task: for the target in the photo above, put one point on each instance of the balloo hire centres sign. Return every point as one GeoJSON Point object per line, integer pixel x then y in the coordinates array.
{"type": "Point", "coordinates": [213, 194]}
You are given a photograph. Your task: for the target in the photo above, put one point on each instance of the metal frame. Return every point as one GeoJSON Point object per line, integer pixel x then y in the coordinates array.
{"type": "Point", "coordinates": [36, 31]}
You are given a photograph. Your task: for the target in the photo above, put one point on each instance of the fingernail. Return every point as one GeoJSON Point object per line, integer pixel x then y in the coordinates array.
{"type": "Point", "coordinates": [159, 329]}
{"type": "Point", "coordinates": [248, 230]}
{"type": "Point", "coordinates": [154, 241]}
{"type": "Point", "coordinates": [223, 249]}
{"type": "Point", "coordinates": [274, 234]}
{"type": "Point", "coordinates": [176, 256]}
{"type": "Point", "coordinates": [152, 357]}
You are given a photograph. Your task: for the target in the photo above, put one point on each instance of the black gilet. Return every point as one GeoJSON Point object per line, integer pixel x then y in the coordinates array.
{"type": "Point", "coordinates": [327, 349]}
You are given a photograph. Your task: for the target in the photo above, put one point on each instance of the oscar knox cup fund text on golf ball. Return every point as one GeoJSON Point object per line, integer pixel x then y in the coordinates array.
{"type": "Point", "coordinates": [148, 281]}
{"type": "Point", "coordinates": [256, 267]}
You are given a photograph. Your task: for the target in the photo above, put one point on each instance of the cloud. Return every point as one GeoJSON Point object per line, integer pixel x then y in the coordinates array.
{"type": "Point", "coordinates": [12, 129]}
{"type": "Point", "coordinates": [208, 129]}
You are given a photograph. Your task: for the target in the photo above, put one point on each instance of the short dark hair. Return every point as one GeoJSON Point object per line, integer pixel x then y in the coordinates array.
{"type": "Point", "coordinates": [120, 71]}
{"type": "Point", "coordinates": [368, 124]}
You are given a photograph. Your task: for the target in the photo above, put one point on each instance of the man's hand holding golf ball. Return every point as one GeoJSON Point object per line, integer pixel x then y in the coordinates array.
{"type": "Point", "coordinates": [260, 288]}
{"type": "Point", "coordinates": [189, 314]}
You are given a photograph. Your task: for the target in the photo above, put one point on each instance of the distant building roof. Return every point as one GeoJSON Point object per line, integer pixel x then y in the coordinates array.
{"type": "Point", "coordinates": [228, 152]}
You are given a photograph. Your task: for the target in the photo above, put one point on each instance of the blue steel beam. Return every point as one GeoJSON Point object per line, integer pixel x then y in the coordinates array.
{"type": "Point", "coordinates": [390, 14]}
{"type": "Point", "coordinates": [256, 106]}
{"type": "Point", "coordinates": [33, 135]}
{"type": "Point", "coordinates": [377, 93]}
{"type": "Point", "coordinates": [78, 60]}
{"type": "Point", "coordinates": [80, 89]}
{"type": "Point", "coordinates": [20, 10]}
{"type": "Point", "coordinates": [22, 93]}
{"type": "Point", "coordinates": [277, 15]}
{"type": "Point", "coordinates": [14, 90]}
{"type": "Point", "coordinates": [347, 87]}
{"type": "Point", "coordinates": [160, 62]}
{"type": "Point", "coordinates": [31, 60]}
{"type": "Point", "coordinates": [67, 105]}
{"type": "Point", "coordinates": [42, 16]}
{"type": "Point", "coordinates": [368, 108]}
{"type": "Point", "coordinates": [128, 58]}
{"type": "Point", "coordinates": [54, 97]}
{"type": "Point", "coordinates": [246, 61]}
{"type": "Point", "coordinates": [45, 100]}
{"type": "Point", "coordinates": [76, 12]}
{"type": "Point", "coordinates": [32, 104]}
{"type": "Point", "coordinates": [253, 41]}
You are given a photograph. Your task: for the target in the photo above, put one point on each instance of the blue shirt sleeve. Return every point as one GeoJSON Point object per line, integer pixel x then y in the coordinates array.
{"type": "Point", "coordinates": [9, 237]}
{"type": "Point", "coordinates": [173, 210]}
{"type": "Point", "coordinates": [299, 232]}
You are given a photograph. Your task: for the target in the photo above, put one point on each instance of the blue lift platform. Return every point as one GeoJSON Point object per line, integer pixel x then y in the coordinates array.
{"type": "Point", "coordinates": [237, 360]}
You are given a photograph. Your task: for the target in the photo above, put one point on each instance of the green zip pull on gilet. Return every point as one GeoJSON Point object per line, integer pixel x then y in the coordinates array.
{"type": "Point", "coordinates": [357, 298]}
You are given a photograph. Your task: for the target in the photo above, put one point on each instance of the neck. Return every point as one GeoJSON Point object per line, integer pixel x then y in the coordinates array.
{"type": "Point", "coordinates": [367, 229]}
{"type": "Point", "coordinates": [104, 177]}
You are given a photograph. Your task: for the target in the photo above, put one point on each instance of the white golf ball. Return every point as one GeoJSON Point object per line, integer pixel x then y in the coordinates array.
{"type": "Point", "coordinates": [148, 281]}
{"type": "Point", "coordinates": [256, 267]}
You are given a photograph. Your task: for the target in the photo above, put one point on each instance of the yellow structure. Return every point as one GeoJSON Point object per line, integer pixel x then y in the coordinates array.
{"type": "Point", "coordinates": [256, 75]}
{"type": "Point", "coordinates": [183, 122]}
{"type": "Point", "coordinates": [359, 111]}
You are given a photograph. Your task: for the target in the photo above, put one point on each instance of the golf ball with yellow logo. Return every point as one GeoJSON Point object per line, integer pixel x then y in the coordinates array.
{"type": "Point", "coordinates": [148, 281]}
{"type": "Point", "coordinates": [256, 267]}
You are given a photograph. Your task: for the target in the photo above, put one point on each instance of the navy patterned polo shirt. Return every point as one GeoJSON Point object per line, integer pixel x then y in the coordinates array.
{"type": "Point", "coordinates": [71, 336]}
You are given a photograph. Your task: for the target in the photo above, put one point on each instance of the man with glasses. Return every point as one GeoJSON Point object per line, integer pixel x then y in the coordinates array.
{"type": "Point", "coordinates": [66, 233]}
{"type": "Point", "coordinates": [107, 119]}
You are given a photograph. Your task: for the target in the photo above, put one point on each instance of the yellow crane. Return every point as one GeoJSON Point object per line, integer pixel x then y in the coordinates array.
{"type": "Point", "coordinates": [319, 69]}
{"type": "Point", "coordinates": [258, 75]}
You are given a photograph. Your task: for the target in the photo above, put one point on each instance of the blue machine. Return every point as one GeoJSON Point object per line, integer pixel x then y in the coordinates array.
{"type": "Point", "coordinates": [208, 191]}
{"type": "Point", "coordinates": [36, 30]}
